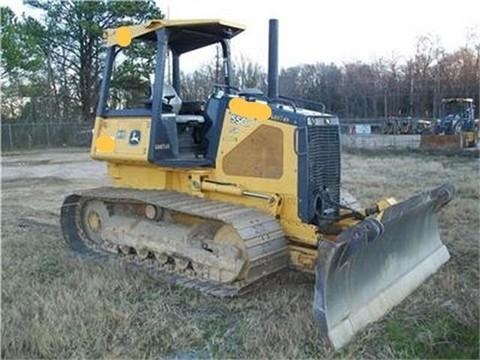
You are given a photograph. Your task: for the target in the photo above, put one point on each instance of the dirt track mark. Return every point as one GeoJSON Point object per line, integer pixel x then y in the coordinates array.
{"type": "Point", "coordinates": [23, 213]}
{"type": "Point", "coordinates": [15, 163]}
{"type": "Point", "coordinates": [26, 163]}
{"type": "Point", "coordinates": [43, 181]}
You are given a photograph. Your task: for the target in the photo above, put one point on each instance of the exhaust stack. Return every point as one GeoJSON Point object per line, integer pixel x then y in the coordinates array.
{"type": "Point", "coordinates": [273, 91]}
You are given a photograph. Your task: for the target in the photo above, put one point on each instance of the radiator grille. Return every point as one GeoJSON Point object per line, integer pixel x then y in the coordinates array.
{"type": "Point", "coordinates": [323, 151]}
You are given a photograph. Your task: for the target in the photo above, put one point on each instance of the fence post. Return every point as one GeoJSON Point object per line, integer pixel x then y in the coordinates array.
{"type": "Point", "coordinates": [10, 137]}
{"type": "Point", "coordinates": [48, 134]}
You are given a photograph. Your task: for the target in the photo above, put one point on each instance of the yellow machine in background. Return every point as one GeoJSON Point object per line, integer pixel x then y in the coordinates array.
{"type": "Point", "coordinates": [456, 129]}
{"type": "Point", "coordinates": [218, 193]}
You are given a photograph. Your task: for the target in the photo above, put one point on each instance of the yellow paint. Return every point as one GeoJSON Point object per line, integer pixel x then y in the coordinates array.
{"type": "Point", "coordinates": [301, 232]}
{"type": "Point", "coordinates": [104, 144]}
{"type": "Point", "coordinates": [110, 35]}
{"type": "Point", "coordinates": [302, 258]}
{"type": "Point", "coordinates": [137, 176]}
{"type": "Point", "coordinates": [386, 203]}
{"type": "Point", "coordinates": [118, 130]}
{"type": "Point", "coordinates": [123, 36]}
{"type": "Point", "coordinates": [128, 166]}
{"type": "Point", "coordinates": [286, 185]}
{"type": "Point", "coordinates": [221, 188]}
{"type": "Point", "coordinates": [250, 109]}
{"type": "Point", "coordinates": [470, 138]}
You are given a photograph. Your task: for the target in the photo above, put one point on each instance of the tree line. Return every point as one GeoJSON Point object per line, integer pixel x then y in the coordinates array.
{"type": "Point", "coordinates": [383, 88]}
{"type": "Point", "coordinates": [51, 68]}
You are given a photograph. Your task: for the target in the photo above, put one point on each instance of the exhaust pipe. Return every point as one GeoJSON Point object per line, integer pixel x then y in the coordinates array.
{"type": "Point", "coordinates": [273, 91]}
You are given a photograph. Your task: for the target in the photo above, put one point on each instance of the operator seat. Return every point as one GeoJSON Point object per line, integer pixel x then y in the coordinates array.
{"type": "Point", "coordinates": [172, 99]}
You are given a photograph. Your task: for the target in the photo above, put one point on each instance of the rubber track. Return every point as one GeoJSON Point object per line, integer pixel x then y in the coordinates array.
{"type": "Point", "coordinates": [265, 242]}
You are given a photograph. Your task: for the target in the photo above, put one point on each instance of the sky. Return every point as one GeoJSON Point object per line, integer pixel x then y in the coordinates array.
{"type": "Point", "coordinates": [328, 31]}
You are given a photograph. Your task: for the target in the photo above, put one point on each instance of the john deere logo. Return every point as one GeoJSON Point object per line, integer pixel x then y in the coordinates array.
{"type": "Point", "coordinates": [135, 136]}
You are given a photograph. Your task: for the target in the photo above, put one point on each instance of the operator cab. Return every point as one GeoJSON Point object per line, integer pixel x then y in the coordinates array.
{"type": "Point", "coordinates": [457, 115]}
{"type": "Point", "coordinates": [183, 133]}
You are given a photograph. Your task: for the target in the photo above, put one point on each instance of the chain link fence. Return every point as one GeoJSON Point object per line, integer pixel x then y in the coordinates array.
{"type": "Point", "coordinates": [24, 136]}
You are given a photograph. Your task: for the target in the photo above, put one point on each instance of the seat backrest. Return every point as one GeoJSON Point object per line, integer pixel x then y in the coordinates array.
{"type": "Point", "coordinates": [171, 97]}
{"type": "Point", "coordinates": [186, 119]}
{"type": "Point", "coordinates": [214, 114]}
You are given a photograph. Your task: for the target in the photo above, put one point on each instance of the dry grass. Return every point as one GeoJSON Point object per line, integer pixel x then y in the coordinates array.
{"type": "Point", "coordinates": [55, 305]}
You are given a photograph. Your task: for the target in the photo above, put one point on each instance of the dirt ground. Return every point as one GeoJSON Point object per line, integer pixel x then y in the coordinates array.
{"type": "Point", "coordinates": [55, 305]}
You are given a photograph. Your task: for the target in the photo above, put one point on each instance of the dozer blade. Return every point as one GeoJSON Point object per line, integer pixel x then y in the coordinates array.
{"type": "Point", "coordinates": [374, 265]}
{"type": "Point", "coordinates": [441, 142]}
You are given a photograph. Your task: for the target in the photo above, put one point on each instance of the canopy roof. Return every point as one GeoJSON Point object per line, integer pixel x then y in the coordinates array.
{"type": "Point", "coordinates": [457, 100]}
{"type": "Point", "coordinates": [184, 35]}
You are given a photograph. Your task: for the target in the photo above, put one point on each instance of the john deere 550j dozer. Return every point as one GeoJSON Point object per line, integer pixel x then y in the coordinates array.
{"type": "Point", "coordinates": [215, 195]}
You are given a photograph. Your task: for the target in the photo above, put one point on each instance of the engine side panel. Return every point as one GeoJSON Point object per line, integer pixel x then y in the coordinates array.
{"type": "Point", "coordinates": [271, 173]}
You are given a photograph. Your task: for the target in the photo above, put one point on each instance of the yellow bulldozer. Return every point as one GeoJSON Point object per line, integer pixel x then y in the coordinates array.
{"type": "Point", "coordinates": [219, 193]}
{"type": "Point", "coordinates": [456, 129]}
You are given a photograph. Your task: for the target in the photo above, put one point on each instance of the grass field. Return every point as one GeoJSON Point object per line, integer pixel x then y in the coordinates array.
{"type": "Point", "coordinates": [55, 305]}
